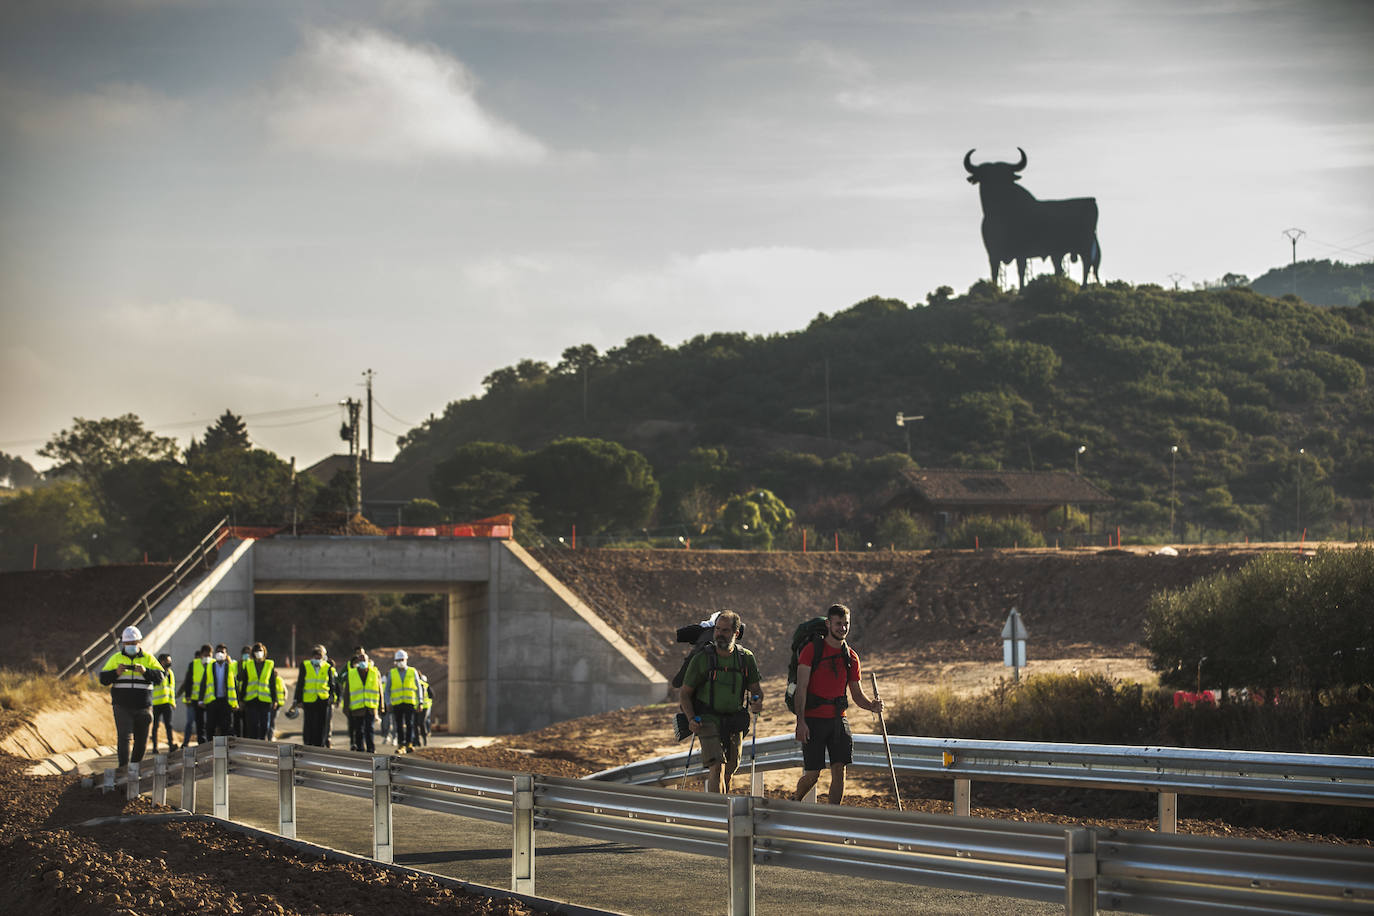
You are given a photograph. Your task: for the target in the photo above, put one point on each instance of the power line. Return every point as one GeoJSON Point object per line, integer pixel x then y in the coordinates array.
{"type": "Point", "coordinates": [382, 408]}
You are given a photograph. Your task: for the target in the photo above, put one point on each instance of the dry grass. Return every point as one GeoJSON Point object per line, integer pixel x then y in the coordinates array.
{"type": "Point", "coordinates": [29, 691]}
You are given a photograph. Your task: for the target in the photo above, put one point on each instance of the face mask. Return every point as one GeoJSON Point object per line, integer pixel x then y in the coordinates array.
{"type": "Point", "coordinates": [319, 659]}
{"type": "Point", "coordinates": [400, 664]}
{"type": "Point", "coordinates": [244, 656]}
{"type": "Point", "coordinates": [130, 651]}
{"type": "Point", "coordinates": [257, 656]}
{"type": "Point", "coordinates": [362, 666]}
{"type": "Point", "coordinates": [220, 656]}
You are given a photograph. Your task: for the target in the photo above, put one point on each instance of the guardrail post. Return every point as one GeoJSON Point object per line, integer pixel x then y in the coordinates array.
{"type": "Point", "coordinates": [1080, 872]}
{"type": "Point", "coordinates": [756, 784]}
{"type": "Point", "coordinates": [1168, 812]}
{"type": "Point", "coordinates": [188, 779]}
{"type": "Point", "coordinates": [221, 779]}
{"type": "Point", "coordinates": [963, 797]}
{"type": "Point", "coordinates": [381, 809]}
{"type": "Point", "coordinates": [522, 847]}
{"type": "Point", "coordinates": [160, 779]}
{"type": "Point", "coordinates": [108, 783]}
{"type": "Point", "coordinates": [131, 781]}
{"type": "Point", "coordinates": [741, 855]}
{"type": "Point", "coordinates": [286, 790]}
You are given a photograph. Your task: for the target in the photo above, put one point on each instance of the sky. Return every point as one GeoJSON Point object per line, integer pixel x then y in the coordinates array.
{"type": "Point", "coordinates": [247, 204]}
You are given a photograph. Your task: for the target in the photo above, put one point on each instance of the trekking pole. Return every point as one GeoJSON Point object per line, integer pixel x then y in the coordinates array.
{"type": "Point", "coordinates": [688, 762]}
{"type": "Point", "coordinates": [886, 745]}
{"type": "Point", "coordinates": [754, 757]}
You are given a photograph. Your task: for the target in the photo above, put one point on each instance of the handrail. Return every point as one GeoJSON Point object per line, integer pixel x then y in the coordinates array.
{"type": "Point", "coordinates": [1086, 868]}
{"type": "Point", "coordinates": [94, 655]}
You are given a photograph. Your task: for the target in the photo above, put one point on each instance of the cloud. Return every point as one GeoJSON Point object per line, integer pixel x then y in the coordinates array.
{"type": "Point", "coordinates": [110, 110]}
{"type": "Point", "coordinates": [364, 95]}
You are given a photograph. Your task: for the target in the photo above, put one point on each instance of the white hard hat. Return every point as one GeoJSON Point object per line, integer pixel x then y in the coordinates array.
{"type": "Point", "coordinates": [132, 634]}
{"type": "Point", "coordinates": [401, 655]}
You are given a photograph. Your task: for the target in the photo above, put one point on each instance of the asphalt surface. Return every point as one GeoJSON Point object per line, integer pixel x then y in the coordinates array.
{"type": "Point", "coordinates": [589, 873]}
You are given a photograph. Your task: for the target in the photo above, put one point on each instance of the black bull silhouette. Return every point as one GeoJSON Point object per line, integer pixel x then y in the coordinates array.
{"type": "Point", "coordinates": [1016, 226]}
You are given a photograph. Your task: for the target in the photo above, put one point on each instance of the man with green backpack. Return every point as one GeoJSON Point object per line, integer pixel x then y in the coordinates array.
{"type": "Point", "coordinates": [826, 676]}
{"type": "Point", "coordinates": [719, 689]}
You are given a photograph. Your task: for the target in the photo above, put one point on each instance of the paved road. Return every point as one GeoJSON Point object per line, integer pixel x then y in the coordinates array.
{"type": "Point", "coordinates": [612, 876]}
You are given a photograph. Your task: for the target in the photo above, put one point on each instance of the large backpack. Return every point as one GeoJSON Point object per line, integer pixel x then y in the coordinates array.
{"type": "Point", "coordinates": [702, 637]}
{"type": "Point", "coordinates": [811, 632]}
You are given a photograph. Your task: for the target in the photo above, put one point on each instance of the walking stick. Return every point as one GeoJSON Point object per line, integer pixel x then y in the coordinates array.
{"type": "Point", "coordinates": [886, 745]}
{"type": "Point", "coordinates": [688, 762]}
{"type": "Point", "coordinates": [753, 753]}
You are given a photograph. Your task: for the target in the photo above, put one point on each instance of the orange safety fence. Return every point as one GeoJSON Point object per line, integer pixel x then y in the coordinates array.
{"type": "Point", "coordinates": [498, 526]}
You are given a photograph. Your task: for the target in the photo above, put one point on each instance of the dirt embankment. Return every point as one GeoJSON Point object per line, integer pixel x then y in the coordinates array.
{"type": "Point", "coordinates": [941, 607]}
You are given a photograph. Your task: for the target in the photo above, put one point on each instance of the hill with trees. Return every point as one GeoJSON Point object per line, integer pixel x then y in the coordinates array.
{"type": "Point", "coordinates": [1208, 415]}
{"type": "Point", "coordinates": [1267, 400]}
{"type": "Point", "coordinates": [1318, 282]}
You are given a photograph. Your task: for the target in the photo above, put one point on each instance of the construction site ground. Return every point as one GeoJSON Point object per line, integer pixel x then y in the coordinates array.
{"type": "Point", "coordinates": [921, 620]}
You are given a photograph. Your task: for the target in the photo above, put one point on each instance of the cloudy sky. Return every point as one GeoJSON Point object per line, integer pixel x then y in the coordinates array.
{"type": "Point", "coordinates": [245, 204]}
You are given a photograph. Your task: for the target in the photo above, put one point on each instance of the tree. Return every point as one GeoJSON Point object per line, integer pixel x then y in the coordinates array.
{"type": "Point", "coordinates": [17, 471]}
{"type": "Point", "coordinates": [228, 432]}
{"type": "Point", "coordinates": [901, 530]}
{"type": "Point", "coordinates": [754, 520]}
{"type": "Point", "coordinates": [92, 447]}
{"type": "Point", "coordinates": [60, 520]}
{"type": "Point", "coordinates": [482, 479]}
{"type": "Point", "coordinates": [591, 483]}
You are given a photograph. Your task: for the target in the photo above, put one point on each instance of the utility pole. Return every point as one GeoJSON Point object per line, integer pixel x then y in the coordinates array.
{"type": "Point", "coordinates": [367, 374]}
{"type": "Point", "coordinates": [1293, 236]}
{"type": "Point", "coordinates": [902, 421]}
{"type": "Point", "coordinates": [353, 434]}
{"type": "Point", "coordinates": [1177, 277]}
{"type": "Point", "coordinates": [827, 399]}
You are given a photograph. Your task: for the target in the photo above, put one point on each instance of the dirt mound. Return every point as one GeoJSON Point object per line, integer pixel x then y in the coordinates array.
{"type": "Point", "coordinates": [48, 617]}
{"type": "Point", "coordinates": [940, 606]}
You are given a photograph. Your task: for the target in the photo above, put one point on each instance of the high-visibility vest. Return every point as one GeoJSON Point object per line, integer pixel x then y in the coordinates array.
{"type": "Point", "coordinates": [280, 686]}
{"type": "Point", "coordinates": [316, 681]}
{"type": "Point", "coordinates": [165, 694]}
{"type": "Point", "coordinates": [404, 689]}
{"type": "Point", "coordinates": [426, 695]}
{"type": "Point", "coordinates": [200, 673]}
{"type": "Point", "coordinates": [364, 692]}
{"type": "Point", "coordinates": [257, 684]}
{"type": "Point", "coordinates": [131, 682]}
{"type": "Point", "coordinates": [231, 682]}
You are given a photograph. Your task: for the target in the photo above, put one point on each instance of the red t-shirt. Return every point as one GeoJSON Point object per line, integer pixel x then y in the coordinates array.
{"type": "Point", "coordinates": [828, 679]}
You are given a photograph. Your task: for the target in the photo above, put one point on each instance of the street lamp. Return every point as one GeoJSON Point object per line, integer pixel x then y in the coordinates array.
{"type": "Point", "coordinates": [1081, 450]}
{"type": "Point", "coordinates": [1173, 490]}
{"type": "Point", "coordinates": [902, 421]}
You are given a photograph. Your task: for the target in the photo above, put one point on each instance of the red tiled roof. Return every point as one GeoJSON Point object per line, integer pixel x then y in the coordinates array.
{"type": "Point", "coordinates": [957, 486]}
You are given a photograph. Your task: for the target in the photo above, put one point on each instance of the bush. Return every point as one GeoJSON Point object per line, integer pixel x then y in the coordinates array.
{"type": "Point", "coordinates": [901, 530]}
{"type": "Point", "coordinates": [982, 531]}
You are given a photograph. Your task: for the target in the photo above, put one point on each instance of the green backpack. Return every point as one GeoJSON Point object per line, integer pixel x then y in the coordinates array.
{"type": "Point", "coordinates": [811, 632]}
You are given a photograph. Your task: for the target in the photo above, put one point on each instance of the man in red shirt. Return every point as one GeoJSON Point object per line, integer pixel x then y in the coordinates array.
{"type": "Point", "coordinates": [827, 684]}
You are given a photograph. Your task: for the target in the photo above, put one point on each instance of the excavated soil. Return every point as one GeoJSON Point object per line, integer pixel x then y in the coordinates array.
{"type": "Point", "coordinates": [919, 619]}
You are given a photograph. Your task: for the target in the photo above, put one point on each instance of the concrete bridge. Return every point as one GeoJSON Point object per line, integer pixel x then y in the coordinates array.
{"type": "Point", "coordinates": [524, 652]}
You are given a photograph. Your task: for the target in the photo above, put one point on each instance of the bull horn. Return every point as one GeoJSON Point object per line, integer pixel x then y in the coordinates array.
{"type": "Point", "coordinates": [1022, 164]}
{"type": "Point", "coordinates": [968, 161]}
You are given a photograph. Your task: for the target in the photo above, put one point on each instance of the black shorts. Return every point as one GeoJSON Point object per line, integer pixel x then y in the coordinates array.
{"type": "Point", "coordinates": [827, 736]}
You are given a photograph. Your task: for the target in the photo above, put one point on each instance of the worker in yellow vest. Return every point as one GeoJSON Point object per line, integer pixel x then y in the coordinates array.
{"type": "Point", "coordinates": [403, 696]}
{"type": "Point", "coordinates": [220, 693]}
{"type": "Point", "coordinates": [164, 701]}
{"type": "Point", "coordinates": [362, 697]}
{"type": "Point", "coordinates": [278, 701]}
{"type": "Point", "coordinates": [259, 692]}
{"type": "Point", "coordinates": [426, 705]}
{"type": "Point", "coordinates": [317, 689]}
{"type": "Point", "coordinates": [190, 689]}
{"type": "Point", "coordinates": [131, 674]}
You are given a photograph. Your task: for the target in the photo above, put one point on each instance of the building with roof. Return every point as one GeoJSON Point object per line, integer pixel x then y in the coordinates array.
{"type": "Point", "coordinates": [944, 497]}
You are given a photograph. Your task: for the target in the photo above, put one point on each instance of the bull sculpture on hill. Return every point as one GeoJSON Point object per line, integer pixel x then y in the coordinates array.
{"type": "Point", "coordinates": [1016, 226]}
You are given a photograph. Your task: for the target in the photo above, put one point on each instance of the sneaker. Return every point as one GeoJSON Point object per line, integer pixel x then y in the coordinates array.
{"type": "Point", "coordinates": [410, 748]}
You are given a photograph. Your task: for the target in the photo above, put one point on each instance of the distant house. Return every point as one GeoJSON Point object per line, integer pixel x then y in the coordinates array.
{"type": "Point", "coordinates": [944, 497]}
{"type": "Point", "coordinates": [387, 486]}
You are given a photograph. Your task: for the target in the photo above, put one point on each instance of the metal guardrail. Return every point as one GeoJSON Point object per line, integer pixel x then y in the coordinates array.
{"type": "Point", "coordinates": [142, 609]}
{"type": "Point", "coordinates": [1168, 771]}
{"type": "Point", "coordinates": [1087, 868]}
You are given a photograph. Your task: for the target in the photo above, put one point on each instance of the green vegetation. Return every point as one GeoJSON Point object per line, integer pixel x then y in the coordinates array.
{"type": "Point", "coordinates": [1268, 401]}
{"type": "Point", "coordinates": [1318, 282]}
{"type": "Point", "coordinates": [26, 691]}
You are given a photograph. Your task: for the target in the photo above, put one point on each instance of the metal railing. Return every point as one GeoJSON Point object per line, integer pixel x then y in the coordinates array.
{"type": "Point", "coordinates": [1168, 771]}
{"type": "Point", "coordinates": [142, 610]}
{"type": "Point", "coordinates": [1086, 868]}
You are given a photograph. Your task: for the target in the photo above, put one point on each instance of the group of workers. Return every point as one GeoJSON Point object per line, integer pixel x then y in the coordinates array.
{"type": "Point", "coordinates": [241, 696]}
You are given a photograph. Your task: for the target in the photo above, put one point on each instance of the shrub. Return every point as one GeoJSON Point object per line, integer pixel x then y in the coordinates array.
{"type": "Point", "coordinates": [901, 530]}
{"type": "Point", "coordinates": [990, 532]}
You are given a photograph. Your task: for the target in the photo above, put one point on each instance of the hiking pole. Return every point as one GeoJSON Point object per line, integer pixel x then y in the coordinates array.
{"type": "Point", "coordinates": [688, 762]}
{"type": "Point", "coordinates": [754, 787]}
{"type": "Point", "coordinates": [886, 745]}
